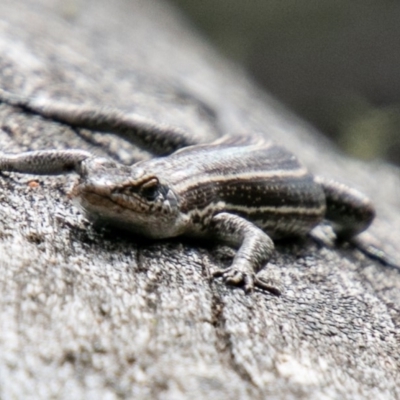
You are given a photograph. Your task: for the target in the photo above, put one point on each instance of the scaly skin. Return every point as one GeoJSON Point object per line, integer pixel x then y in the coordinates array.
{"type": "Point", "coordinates": [242, 191]}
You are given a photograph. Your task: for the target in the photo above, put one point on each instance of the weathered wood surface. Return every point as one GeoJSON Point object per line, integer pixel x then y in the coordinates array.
{"type": "Point", "coordinates": [95, 315]}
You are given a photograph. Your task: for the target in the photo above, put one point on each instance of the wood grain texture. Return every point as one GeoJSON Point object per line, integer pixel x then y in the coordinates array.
{"type": "Point", "coordinates": [96, 315]}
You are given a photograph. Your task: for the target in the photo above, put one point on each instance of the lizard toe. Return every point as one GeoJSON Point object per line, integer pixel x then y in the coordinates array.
{"type": "Point", "coordinates": [248, 282]}
{"type": "Point", "coordinates": [216, 273]}
{"type": "Point", "coordinates": [261, 284]}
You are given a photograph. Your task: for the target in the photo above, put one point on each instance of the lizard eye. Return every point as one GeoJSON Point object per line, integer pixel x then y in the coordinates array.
{"type": "Point", "coordinates": [150, 189]}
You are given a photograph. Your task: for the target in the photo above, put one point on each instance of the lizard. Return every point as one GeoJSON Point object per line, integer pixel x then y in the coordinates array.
{"type": "Point", "coordinates": [243, 191]}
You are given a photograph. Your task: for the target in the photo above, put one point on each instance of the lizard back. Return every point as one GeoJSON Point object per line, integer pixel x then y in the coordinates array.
{"type": "Point", "coordinates": [255, 179]}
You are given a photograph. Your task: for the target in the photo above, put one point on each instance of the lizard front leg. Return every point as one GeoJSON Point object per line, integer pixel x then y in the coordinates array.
{"type": "Point", "coordinates": [254, 249]}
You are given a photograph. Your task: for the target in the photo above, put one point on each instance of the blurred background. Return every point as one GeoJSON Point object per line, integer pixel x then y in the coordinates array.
{"type": "Point", "coordinates": [335, 63]}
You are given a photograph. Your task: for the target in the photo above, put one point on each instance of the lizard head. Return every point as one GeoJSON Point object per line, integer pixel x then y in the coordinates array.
{"type": "Point", "coordinates": [127, 197]}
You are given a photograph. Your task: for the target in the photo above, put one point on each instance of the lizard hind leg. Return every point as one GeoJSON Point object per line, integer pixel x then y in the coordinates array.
{"type": "Point", "coordinates": [347, 210]}
{"type": "Point", "coordinates": [350, 213]}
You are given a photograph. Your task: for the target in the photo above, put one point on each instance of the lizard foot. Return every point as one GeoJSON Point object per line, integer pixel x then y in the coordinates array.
{"type": "Point", "coordinates": [237, 276]}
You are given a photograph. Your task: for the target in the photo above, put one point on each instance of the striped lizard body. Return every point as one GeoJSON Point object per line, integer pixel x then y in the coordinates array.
{"type": "Point", "coordinates": [240, 190]}
{"type": "Point", "coordinates": [264, 183]}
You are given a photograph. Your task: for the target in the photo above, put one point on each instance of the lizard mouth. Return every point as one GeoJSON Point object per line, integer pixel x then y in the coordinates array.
{"type": "Point", "coordinates": [101, 199]}
{"type": "Point", "coordinates": [106, 210]}
{"type": "Point", "coordinates": [105, 201]}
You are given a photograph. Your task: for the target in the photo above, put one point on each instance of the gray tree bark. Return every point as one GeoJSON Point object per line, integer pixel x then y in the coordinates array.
{"type": "Point", "coordinates": [88, 314]}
